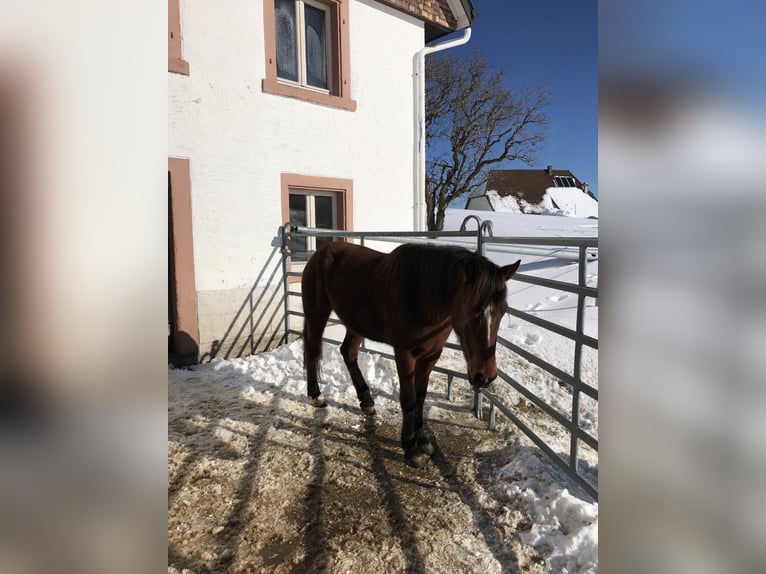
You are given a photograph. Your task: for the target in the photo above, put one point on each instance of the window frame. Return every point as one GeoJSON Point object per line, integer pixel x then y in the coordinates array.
{"type": "Point", "coordinates": [311, 195]}
{"type": "Point", "coordinates": [563, 179]}
{"type": "Point", "coordinates": [342, 189]}
{"type": "Point", "coordinates": [300, 46]}
{"type": "Point", "coordinates": [338, 64]}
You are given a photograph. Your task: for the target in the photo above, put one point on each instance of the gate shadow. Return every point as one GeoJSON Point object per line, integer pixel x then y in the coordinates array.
{"type": "Point", "coordinates": [201, 442]}
{"type": "Point", "coordinates": [248, 331]}
{"type": "Point", "coordinates": [383, 460]}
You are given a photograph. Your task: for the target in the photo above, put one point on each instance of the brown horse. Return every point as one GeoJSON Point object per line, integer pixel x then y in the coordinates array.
{"type": "Point", "coordinates": [410, 299]}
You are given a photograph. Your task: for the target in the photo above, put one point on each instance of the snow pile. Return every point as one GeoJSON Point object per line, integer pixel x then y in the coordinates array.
{"type": "Point", "coordinates": [511, 204]}
{"type": "Point", "coordinates": [281, 371]}
{"type": "Point", "coordinates": [565, 526]}
{"type": "Point", "coordinates": [558, 201]}
{"type": "Point", "coordinates": [507, 204]}
{"type": "Point", "coordinates": [571, 202]}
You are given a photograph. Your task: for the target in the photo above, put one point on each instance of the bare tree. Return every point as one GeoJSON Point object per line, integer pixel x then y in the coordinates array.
{"type": "Point", "coordinates": [474, 122]}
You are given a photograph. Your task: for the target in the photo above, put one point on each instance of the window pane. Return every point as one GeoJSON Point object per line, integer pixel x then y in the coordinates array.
{"type": "Point", "coordinates": [324, 208]}
{"type": "Point", "coordinates": [287, 57]}
{"type": "Point", "coordinates": [316, 47]}
{"type": "Point", "coordinates": [298, 209]}
{"type": "Point", "coordinates": [298, 216]}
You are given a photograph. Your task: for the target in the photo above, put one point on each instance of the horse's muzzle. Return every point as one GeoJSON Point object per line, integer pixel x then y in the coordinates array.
{"type": "Point", "coordinates": [480, 381]}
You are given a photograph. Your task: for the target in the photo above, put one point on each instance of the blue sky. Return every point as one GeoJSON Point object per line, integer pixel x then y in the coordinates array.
{"type": "Point", "coordinates": [551, 43]}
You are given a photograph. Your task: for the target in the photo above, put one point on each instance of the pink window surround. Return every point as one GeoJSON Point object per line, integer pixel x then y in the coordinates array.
{"type": "Point", "coordinates": [342, 188]}
{"type": "Point", "coordinates": [186, 335]}
{"type": "Point", "coordinates": [176, 63]}
{"type": "Point", "coordinates": [340, 58]}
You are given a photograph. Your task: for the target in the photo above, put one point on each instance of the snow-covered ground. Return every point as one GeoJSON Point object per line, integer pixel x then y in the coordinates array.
{"type": "Point", "coordinates": [260, 481]}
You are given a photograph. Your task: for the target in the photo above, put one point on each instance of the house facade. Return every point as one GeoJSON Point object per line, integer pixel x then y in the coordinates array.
{"type": "Point", "coordinates": [281, 110]}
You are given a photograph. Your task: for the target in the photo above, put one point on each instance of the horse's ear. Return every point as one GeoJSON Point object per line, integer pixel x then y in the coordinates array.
{"type": "Point", "coordinates": [509, 270]}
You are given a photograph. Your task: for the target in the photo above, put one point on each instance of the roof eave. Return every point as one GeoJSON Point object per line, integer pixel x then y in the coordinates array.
{"type": "Point", "coordinates": [464, 13]}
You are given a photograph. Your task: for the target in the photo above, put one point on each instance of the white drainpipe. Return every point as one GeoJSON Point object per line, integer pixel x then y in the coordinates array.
{"type": "Point", "coordinates": [419, 205]}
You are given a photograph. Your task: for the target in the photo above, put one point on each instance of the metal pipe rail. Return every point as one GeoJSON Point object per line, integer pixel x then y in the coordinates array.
{"type": "Point", "coordinates": [316, 232]}
{"type": "Point", "coordinates": [555, 327]}
{"type": "Point", "coordinates": [426, 237]}
{"type": "Point", "coordinates": [560, 253]}
{"type": "Point", "coordinates": [584, 250]}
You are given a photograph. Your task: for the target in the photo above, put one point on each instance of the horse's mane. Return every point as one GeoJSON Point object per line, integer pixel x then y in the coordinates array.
{"type": "Point", "coordinates": [427, 278]}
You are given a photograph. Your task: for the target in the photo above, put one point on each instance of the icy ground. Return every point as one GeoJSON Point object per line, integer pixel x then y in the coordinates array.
{"type": "Point", "coordinates": [259, 481]}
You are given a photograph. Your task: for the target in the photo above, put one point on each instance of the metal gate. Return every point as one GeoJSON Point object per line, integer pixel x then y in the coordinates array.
{"type": "Point", "coordinates": [484, 242]}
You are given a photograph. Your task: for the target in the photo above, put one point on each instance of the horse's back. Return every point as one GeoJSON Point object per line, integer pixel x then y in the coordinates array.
{"type": "Point", "coordinates": [348, 276]}
{"type": "Point", "coordinates": [341, 250]}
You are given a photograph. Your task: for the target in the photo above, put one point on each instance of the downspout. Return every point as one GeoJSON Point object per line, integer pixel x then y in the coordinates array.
{"type": "Point", "coordinates": [419, 204]}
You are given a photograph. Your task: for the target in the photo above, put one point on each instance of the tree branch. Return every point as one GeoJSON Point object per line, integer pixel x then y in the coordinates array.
{"type": "Point", "coordinates": [474, 122]}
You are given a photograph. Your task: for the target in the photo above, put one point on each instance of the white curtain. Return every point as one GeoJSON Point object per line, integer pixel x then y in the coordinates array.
{"type": "Point", "coordinates": [287, 57]}
{"type": "Point", "coordinates": [316, 48]}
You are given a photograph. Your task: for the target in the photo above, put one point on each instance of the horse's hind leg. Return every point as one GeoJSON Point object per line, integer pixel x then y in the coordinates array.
{"type": "Point", "coordinates": [316, 309]}
{"type": "Point", "coordinates": [350, 351]}
{"type": "Point", "coordinates": [312, 353]}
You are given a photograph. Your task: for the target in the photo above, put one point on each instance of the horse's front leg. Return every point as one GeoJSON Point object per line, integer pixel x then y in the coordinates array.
{"type": "Point", "coordinates": [405, 366]}
{"type": "Point", "coordinates": [423, 367]}
{"type": "Point", "coordinates": [413, 385]}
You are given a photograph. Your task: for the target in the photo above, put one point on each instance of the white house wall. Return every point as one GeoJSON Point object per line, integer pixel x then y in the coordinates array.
{"type": "Point", "coordinates": [479, 203]}
{"type": "Point", "coordinates": [239, 140]}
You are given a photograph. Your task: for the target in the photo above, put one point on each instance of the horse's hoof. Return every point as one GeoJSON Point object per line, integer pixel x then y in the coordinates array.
{"type": "Point", "coordinates": [319, 401]}
{"type": "Point", "coordinates": [417, 460]}
{"type": "Point", "coordinates": [370, 410]}
{"type": "Point", "coordinates": [426, 447]}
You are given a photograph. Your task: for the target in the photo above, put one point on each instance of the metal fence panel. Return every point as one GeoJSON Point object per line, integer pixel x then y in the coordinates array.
{"type": "Point", "coordinates": [583, 250]}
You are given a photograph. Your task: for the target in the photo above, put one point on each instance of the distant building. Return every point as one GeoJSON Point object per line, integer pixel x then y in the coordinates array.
{"type": "Point", "coordinates": [536, 191]}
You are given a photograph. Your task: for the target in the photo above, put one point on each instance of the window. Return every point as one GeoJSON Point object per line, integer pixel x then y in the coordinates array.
{"type": "Point", "coordinates": [321, 202]}
{"type": "Point", "coordinates": [311, 209]}
{"type": "Point", "coordinates": [307, 51]}
{"type": "Point", "coordinates": [564, 181]}
{"type": "Point", "coordinates": [302, 46]}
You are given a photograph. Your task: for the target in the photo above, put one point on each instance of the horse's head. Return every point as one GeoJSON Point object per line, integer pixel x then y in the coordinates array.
{"type": "Point", "coordinates": [476, 318]}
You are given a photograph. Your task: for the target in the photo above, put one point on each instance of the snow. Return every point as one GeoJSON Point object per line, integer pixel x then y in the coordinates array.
{"type": "Point", "coordinates": [489, 500]}
{"type": "Point", "coordinates": [561, 521]}
{"type": "Point", "coordinates": [559, 201]}
{"type": "Point", "coordinates": [571, 201]}
{"type": "Point", "coordinates": [506, 204]}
